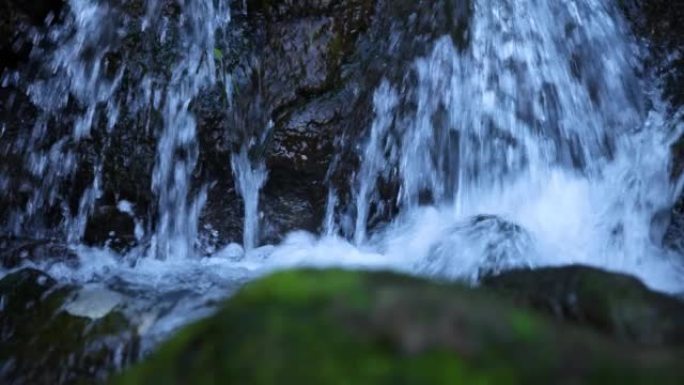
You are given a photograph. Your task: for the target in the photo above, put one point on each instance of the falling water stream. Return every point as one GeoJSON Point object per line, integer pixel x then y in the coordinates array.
{"type": "Point", "coordinates": [535, 145]}
{"type": "Point", "coordinates": [194, 70]}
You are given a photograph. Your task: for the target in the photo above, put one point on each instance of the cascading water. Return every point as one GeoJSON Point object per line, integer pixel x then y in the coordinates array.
{"type": "Point", "coordinates": [249, 179]}
{"type": "Point", "coordinates": [75, 71]}
{"type": "Point", "coordinates": [535, 144]}
{"type": "Point", "coordinates": [384, 102]}
{"type": "Point", "coordinates": [177, 149]}
{"type": "Point", "coordinates": [536, 124]}
{"type": "Point", "coordinates": [72, 63]}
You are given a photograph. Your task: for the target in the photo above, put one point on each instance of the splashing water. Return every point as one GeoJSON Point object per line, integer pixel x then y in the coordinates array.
{"type": "Point", "coordinates": [540, 127]}
{"type": "Point", "coordinates": [537, 144]}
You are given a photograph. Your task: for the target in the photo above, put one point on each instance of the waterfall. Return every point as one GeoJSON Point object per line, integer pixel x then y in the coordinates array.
{"type": "Point", "coordinates": [249, 179]}
{"type": "Point", "coordinates": [541, 126]}
{"type": "Point", "coordinates": [177, 149]}
{"type": "Point", "coordinates": [542, 86]}
{"type": "Point", "coordinates": [384, 103]}
{"type": "Point", "coordinates": [329, 226]}
{"type": "Point", "coordinates": [76, 73]}
{"type": "Point", "coordinates": [539, 141]}
{"type": "Point", "coordinates": [72, 74]}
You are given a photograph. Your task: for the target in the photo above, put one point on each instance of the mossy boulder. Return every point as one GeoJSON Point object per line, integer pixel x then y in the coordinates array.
{"type": "Point", "coordinates": [616, 304]}
{"type": "Point", "coordinates": [339, 327]}
{"type": "Point", "coordinates": [41, 343]}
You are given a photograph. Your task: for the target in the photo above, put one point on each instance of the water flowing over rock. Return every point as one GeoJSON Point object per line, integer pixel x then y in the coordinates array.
{"type": "Point", "coordinates": [159, 154]}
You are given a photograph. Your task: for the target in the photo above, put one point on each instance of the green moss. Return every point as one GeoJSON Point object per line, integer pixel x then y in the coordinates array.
{"type": "Point", "coordinates": [524, 325]}
{"type": "Point", "coordinates": [218, 54]}
{"type": "Point", "coordinates": [294, 287]}
{"type": "Point", "coordinates": [336, 327]}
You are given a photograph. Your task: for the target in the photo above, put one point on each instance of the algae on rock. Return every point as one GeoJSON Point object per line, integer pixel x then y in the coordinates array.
{"type": "Point", "coordinates": [338, 327]}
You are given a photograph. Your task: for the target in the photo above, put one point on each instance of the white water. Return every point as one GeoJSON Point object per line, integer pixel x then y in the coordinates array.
{"type": "Point", "coordinates": [249, 179]}
{"type": "Point", "coordinates": [384, 103]}
{"type": "Point", "coordinates": [195, 69]}
{"type": "Point", "coordinates": [72, 62]}
{"type": "Point", "coordinates": [538, 146]}
{"type": "Point", "coordinates": [74, 74]}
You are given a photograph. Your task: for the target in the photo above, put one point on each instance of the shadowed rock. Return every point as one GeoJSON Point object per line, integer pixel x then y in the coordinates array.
{"type": "Point", "coordinates": [42, 343]}
{"type": "Point", "coordinates": [618, 305]}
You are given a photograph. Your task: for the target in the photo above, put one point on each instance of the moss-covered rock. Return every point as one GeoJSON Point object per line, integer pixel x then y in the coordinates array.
{"type": "Point", "coordinates": [41, 343]}
{"type": "Point", "coordinates": [337, 327]}
{"type": "Point", "coordinates": [616, 304]}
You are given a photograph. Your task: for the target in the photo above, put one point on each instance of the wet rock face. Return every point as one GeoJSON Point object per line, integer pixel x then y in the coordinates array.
{"type": "Point", "coordinates": [111, 227]}
{"type": "Point", "coordinates": [29, 128]}
{"type": "Point", "coordinates": [41, 343]}
{"type": "Point", "coordinates": [311, 69]}
{"type": "Point", "coordinates": [303, 76]}
{"type": "Point", "coordinates": [659, 22]}
{"type": "Point", "coordinates": [17, 252]}
{"type": "Point", "coordinates": [18, 22]}
{"type": "Point", "coordinates": [15, 18]}
{"type": "Point", "coordinates": [673, 238]}
{"type": "Point", "coordinates": [285, 101]}
{"type": "Point", "coordinates": [335, 327]}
